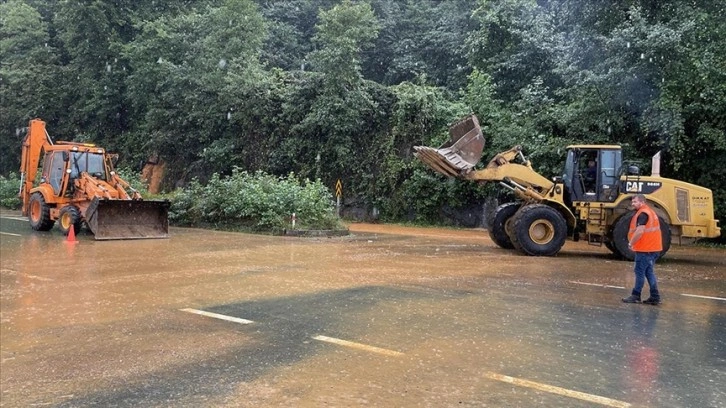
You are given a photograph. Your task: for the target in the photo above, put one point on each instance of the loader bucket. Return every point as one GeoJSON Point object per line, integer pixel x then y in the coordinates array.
{"type": "Point", "coordinates": [128, 219]}
{"type": "Point", "coordinates": [460, 154]}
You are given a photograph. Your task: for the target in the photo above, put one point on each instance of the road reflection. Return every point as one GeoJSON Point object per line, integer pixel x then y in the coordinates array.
{"type": "Point", "coordinates": [642, 368]}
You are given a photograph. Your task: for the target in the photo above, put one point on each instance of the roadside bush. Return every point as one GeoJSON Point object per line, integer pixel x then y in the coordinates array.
{"type": "Point", "coordinates": [134, 179]}
{"type": "Point", "coordinates": [258, 202]}
{"type": "Point", "coordinates": [9, 187]}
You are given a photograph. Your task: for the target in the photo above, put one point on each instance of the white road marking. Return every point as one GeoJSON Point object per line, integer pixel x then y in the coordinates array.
{"type": "Point", "coordinates": [359, 346]}
{"type": "Point", "coordinates": [11, 234]}
{"type": "Point", "coordinates": [621, 287]}
{"type": "Point", "coordinates": [703, 297]}
{"type": "Point", "coordinates": [26, 275]}
{"type": "Point", "coordinates": [218, 316]}
{"type": "Point", "coordinates": [597, 284]}
{"type": "Point", "coordinates": [557, 390]}
{"type": "Point", "coordinates": [16, 218]}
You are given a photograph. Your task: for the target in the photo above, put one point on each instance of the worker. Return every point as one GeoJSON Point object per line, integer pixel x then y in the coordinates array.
{"type": "Point", "coordinates": [644, 238]}
{"type": "Point", "coordinates": [591, 176]}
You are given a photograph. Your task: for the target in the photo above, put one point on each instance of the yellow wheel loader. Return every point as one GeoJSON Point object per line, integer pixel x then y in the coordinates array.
{"type": "Point", "coordinates": [78, 185]}
{"type": "Point", "coordinates": [591, 198]}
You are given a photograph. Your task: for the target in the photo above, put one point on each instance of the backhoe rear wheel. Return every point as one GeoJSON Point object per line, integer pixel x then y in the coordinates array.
{"type": "Point", "coordinates": [498, 221]}
{"type": "Point", "coordinates": [620, 236]}
{"type": "Point", "coordinates": [539, 230]}
{"type": "Point", "coordinates": [39, 214]}
{"type": "Point", "coordinates": [70, 216]}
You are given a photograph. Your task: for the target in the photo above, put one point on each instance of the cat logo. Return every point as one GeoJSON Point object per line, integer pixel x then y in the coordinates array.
{"type": "Point", "coordinates": [644, 187]}
{"type": "Point", "coordinates": [634, 186]}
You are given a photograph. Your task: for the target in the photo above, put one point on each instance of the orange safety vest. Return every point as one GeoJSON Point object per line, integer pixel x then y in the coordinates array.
{"type": "Point", "coordinates": [651, 240]}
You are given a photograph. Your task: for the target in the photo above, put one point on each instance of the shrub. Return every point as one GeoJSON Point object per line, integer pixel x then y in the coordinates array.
{"type": "Point", "coordinates": [259, 202]}
{"type": "Point", "coordinates": [9, 187]}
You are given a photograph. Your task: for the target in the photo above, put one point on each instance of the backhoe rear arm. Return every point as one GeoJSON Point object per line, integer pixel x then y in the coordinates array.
{"type": "Point", "coordinates": [35, 140]}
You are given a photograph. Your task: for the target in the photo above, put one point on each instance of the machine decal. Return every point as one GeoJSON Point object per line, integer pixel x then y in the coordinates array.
{"type": "Point", "coordinates": [643, 187]}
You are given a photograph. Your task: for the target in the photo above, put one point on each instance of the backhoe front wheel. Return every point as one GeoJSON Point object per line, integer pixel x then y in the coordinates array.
{"type": "Point", "coordinates": [39, 214]}
{"type": "Point", "coordinates": [70, 216]}
{"type": "Point", "coordinates": [538, 230]}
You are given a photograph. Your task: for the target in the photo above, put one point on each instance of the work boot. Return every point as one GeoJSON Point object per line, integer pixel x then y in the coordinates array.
{"type": "Point", "coordinates": [632, 299]}
{"type": "Point", "coordinates": [652, 301]}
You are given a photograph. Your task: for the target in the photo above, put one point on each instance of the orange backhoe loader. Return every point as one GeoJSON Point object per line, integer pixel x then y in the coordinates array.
{"type": "Point", "coordinates": [78, 185]}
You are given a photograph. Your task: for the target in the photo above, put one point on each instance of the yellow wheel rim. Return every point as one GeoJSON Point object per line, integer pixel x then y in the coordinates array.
{"type": "Point", "coordinates": [541, 232]}
{"type": "Point", "coordinates": [65, 221]}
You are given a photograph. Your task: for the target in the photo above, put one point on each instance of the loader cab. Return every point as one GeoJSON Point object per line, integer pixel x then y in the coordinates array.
{"type": "Point", "coordinates": [91, 162]}
{"type": "Point", "coordinates": [591, 173]}
{"type": "Point", "coordinates": [62, 165]}
{"type": "Point", "coordinates": [54, 169]}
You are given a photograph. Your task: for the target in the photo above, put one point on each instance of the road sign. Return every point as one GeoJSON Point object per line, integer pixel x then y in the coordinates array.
{"type": "Point", "coordinates": [338, 188]}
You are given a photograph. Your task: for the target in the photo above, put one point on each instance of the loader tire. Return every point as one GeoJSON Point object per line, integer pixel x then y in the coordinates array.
{"type": "Point", "coordinates": [39, 214]}
{"type": "Point", "coordinates": [539, 230]}
{"type": "Point", "coordinates": [498, 222]}
{"type": "Point", "coordinates": [70, 216]}
{"type": "Point", "coordinates": [620, 237]}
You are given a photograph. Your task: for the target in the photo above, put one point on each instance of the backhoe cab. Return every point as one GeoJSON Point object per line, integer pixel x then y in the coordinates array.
{"type": "Point", "coordinates": [78, 185]}
{"type": "Point", "coordinates": [590, 199]}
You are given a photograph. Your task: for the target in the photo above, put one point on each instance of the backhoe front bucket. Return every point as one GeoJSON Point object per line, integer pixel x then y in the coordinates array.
{"type": "Point", "coordinates": [128, 219]}
{"type": "Point", "coordinates": [460, 154]}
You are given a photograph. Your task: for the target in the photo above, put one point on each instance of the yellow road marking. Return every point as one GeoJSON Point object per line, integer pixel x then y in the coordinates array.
{"type": "Point", "coordinates": [557, 390]}
{"type": "Point", "coordinates": [218, 316]}
{"type": "Point", "coordinates": [358, 346]}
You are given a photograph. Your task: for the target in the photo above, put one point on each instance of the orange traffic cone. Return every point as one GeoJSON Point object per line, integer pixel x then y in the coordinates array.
{"type": "Point", "coordinates": [71, 238]}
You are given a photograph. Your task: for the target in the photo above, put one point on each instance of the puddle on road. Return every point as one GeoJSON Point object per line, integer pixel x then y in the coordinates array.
{"type": "Point", "coordinates": [447, 303]}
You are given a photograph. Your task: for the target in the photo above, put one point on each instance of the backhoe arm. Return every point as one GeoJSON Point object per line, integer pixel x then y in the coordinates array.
{"type": "Point", "coordinates": [35, 140]}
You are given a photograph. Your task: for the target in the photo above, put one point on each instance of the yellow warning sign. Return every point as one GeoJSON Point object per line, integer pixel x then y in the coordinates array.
{"type": "Point", "coordinates": [338, 188]}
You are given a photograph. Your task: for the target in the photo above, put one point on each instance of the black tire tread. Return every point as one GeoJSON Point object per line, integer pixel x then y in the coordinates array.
{"type": "Point", "coordinates": [497, 224]}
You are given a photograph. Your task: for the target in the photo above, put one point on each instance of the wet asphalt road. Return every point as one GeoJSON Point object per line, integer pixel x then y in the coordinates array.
{"type": "Point", "coordinates": [388, 316]}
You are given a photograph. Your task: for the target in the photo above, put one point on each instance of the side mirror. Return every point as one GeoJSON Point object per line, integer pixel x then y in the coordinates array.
{"type": "Point", "coordinates": [66, 156]}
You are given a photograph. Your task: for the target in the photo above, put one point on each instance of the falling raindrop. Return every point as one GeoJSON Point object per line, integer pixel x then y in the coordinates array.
{"type": "Point", "coordinates": [222, 63]}
{"type": "Point", "coordinates": [627, 45]}
{"type": "Point", "coordinates": [160, 60]}
{"type": "Point", "coordinates": [108, 67]}
{"type": "Point", "coordinates": [642, 56]}
{"type": "Point", "coordinates": [229, 115]}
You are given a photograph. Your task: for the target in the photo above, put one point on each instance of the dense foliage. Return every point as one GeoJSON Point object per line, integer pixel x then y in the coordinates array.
{"type": "Point", "coordinates": [342, 89]}
{"type": "Point", "coordinates": [258, 201]}
{"type": "Point", "coordinates": [9, 191]}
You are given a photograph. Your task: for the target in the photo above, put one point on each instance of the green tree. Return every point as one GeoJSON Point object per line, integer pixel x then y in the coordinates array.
{"type": "Point", "coordinates": [27, 76]}
{"type": "Point", "coordinates": [342, 105]}
{"type": "Point", "coordinates": [182, 71]}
